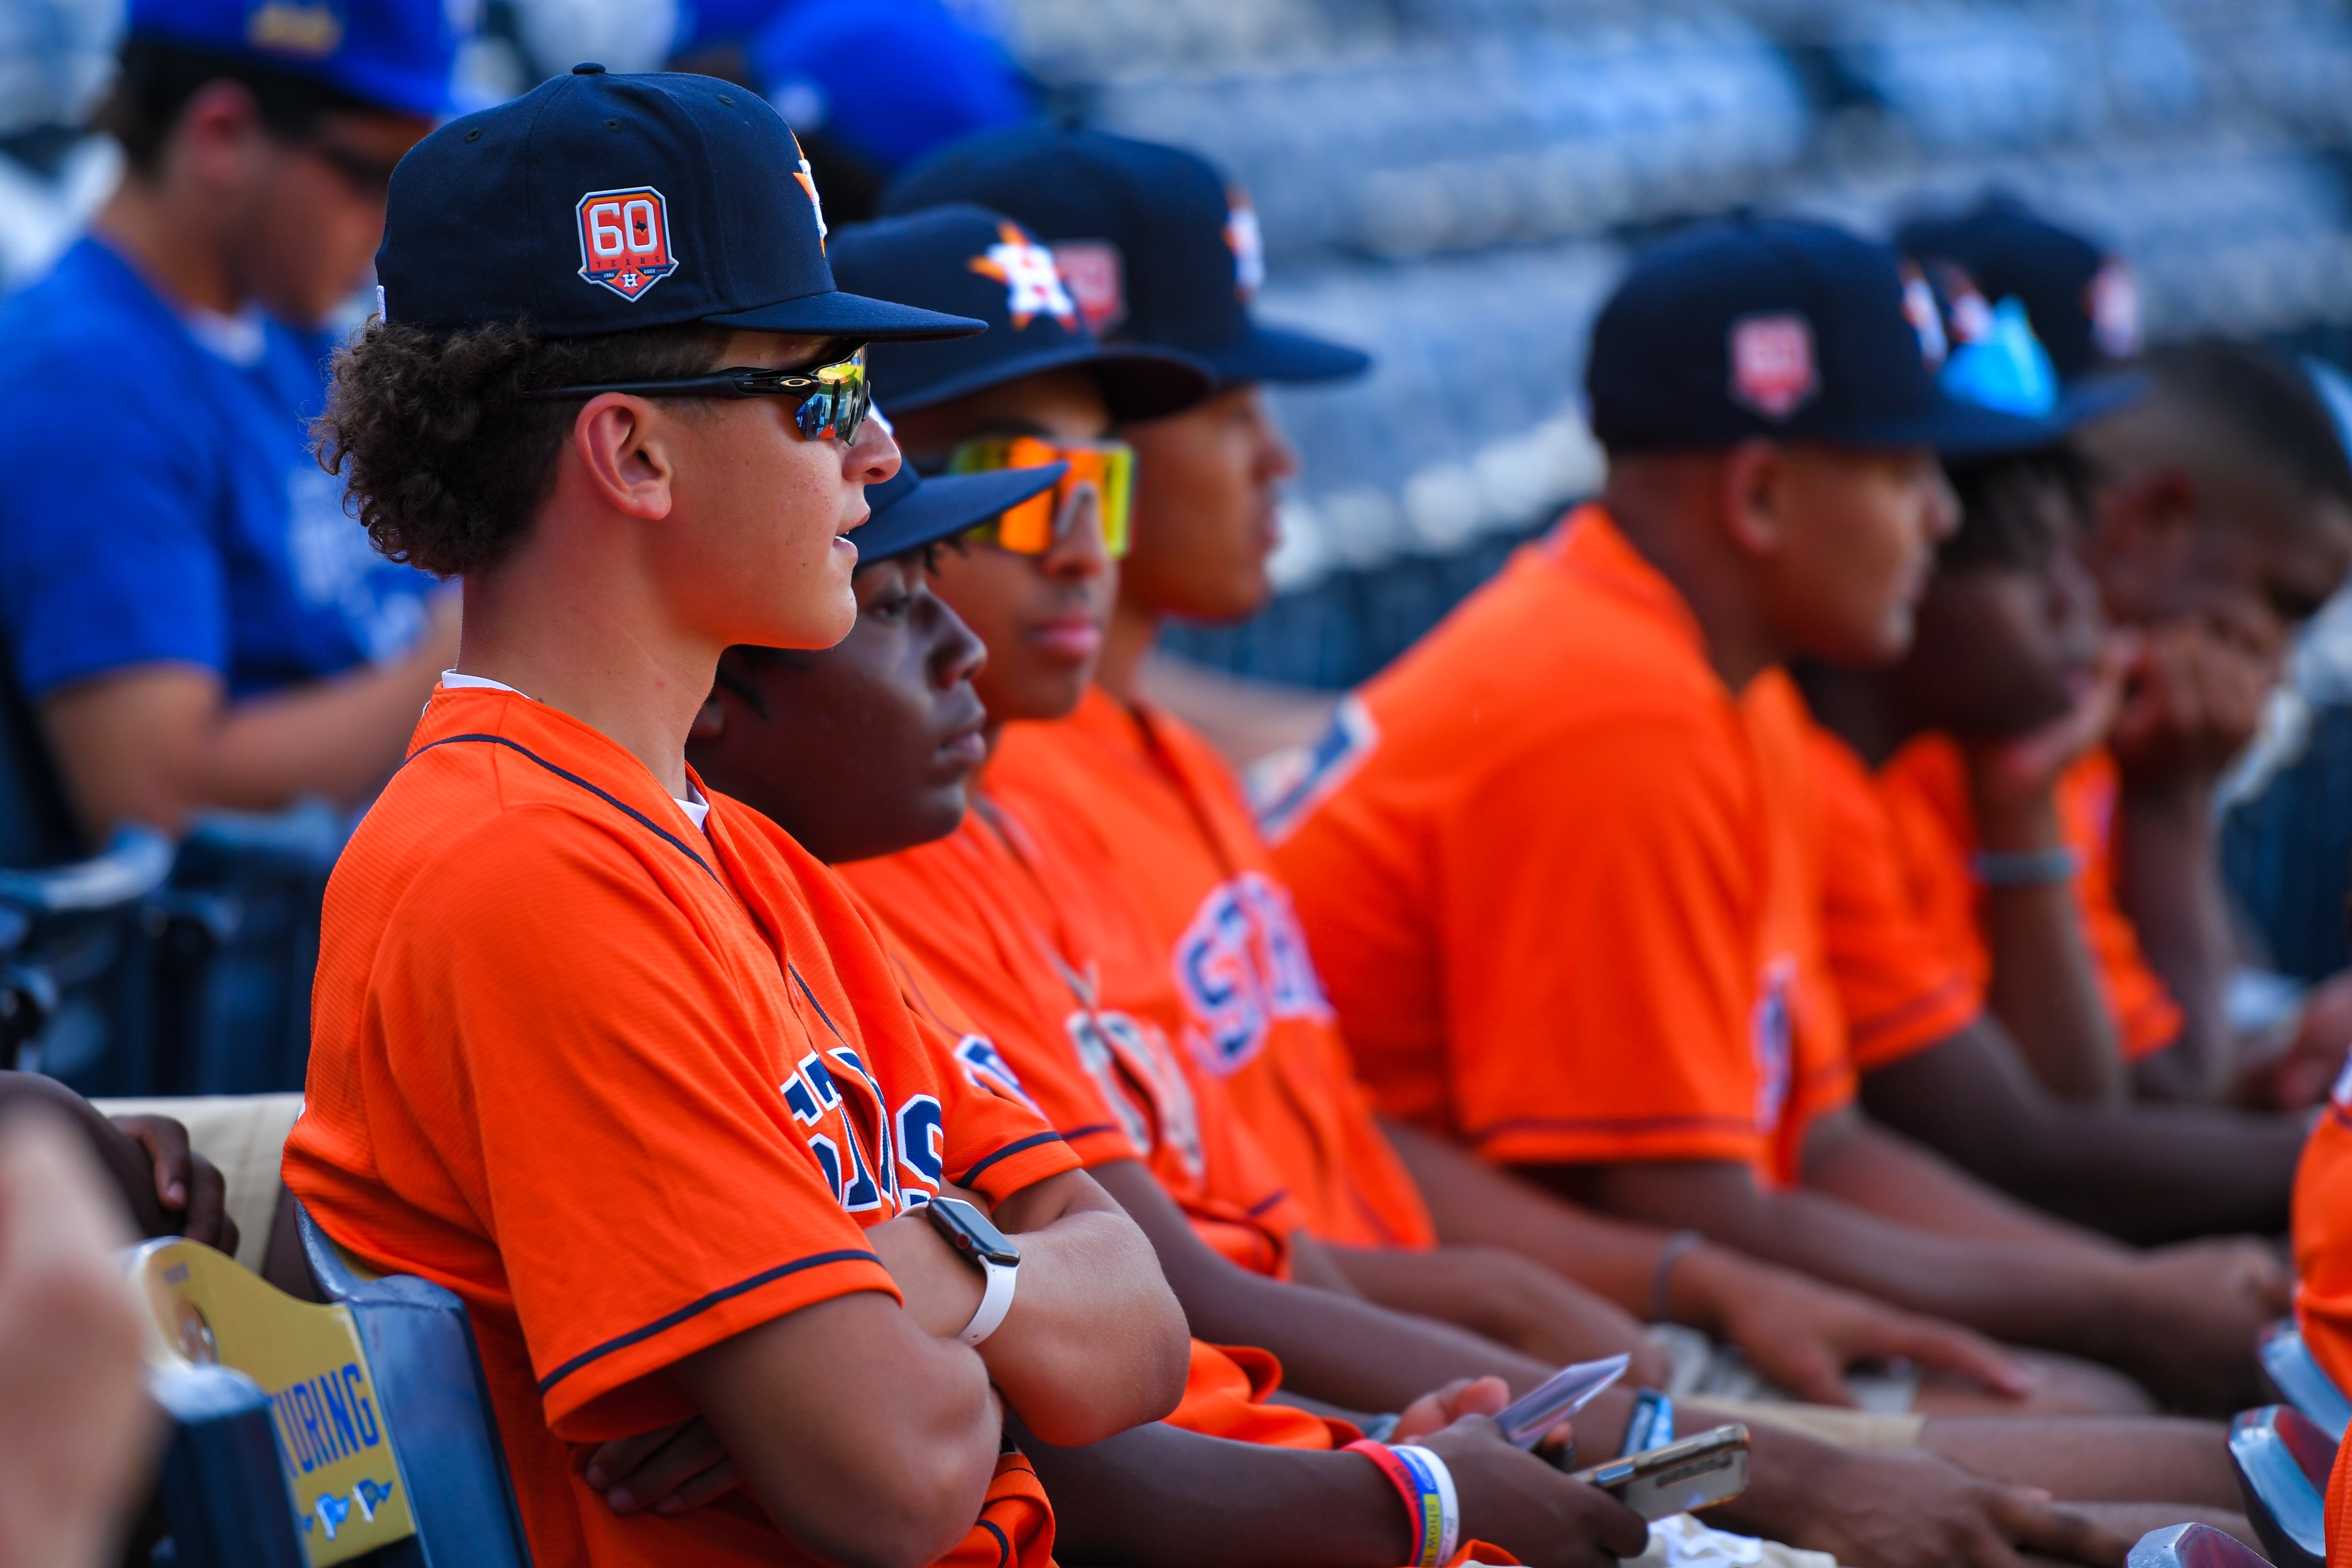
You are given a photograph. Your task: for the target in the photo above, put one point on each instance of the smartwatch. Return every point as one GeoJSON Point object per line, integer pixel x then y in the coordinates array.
{"type": "Point", "coordinates": [987, 1248]}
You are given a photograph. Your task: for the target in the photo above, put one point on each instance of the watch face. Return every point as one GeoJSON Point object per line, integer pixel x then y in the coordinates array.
{"type": "Point", "coordinates": [970, 1232]}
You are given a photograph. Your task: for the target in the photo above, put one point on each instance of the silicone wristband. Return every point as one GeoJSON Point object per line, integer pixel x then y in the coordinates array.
{"type": "Point", "coordinates": [1662, 1274]}
{"type": "Point", "coordinates": [2025, 868]}
{"type": "Point", "coordinates": [1419, 1501]}
{"type": "Point", "coordinates": [1448, 1525]}
{"type": "Point", "coordinates": [996, 1301]}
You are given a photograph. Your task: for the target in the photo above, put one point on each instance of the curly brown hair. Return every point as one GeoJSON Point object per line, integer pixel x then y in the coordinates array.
{"type": "Point", "coordinates": [447, 463]}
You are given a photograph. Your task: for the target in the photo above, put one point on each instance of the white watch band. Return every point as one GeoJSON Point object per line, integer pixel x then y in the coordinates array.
{"type": "Point", "coordinates": [994, 1302]}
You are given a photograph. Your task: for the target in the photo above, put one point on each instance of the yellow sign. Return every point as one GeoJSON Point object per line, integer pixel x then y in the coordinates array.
{"type": "Point", "coordinates": [206, 1308]}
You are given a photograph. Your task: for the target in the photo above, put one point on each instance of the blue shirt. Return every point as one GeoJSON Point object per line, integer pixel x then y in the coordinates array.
{"type": "Point", "coordinates": [161, 502]}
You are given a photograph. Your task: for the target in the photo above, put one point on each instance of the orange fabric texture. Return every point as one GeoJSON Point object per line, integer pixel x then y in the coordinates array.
{"type": "Point", "coordinates": [549, 1014]}
{"type": "Point", "coordinates": [2323, 1238]}
{"type": "Point", "coordinates": [1900, 989]}
{"type": "Point", "coordinates": [1566, 899]}
{"type": "Point", "coordinates": [1015, 935]}
{"type": "Point", "coordinates": [1226, 1390]}
{"type": "Point", "coordinates": [1230, 978]}
{"type": "Point", "coordinates": [2339, 1510]}
{"type": "Point", "coordinates": [1927, 791]}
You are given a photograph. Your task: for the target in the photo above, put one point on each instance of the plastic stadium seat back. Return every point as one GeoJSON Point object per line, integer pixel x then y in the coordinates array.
{"type": "Point", "coordinates": [429, 1376]}
{"type": "Point", "coordinates": [2281, 1459]}
{"type": "Point", "coordinates": [2299, 1380]}
{"type": "Point", "coordinates": [224, 1485]}
{"type": "Point", "coordinates": [364, 1413]}
{"type": "Point", "coordinates": [2192, 1546]}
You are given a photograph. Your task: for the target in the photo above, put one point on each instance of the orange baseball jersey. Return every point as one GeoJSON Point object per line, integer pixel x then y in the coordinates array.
{"type": "Point", "coordinates": [1899, 988]}
{"type": "Point", "coordinates": [1927, 791]}
{"type": "Point", "coordinates": [627, 1090]}
{"type": "Point", "coordinates": [1563, 884]}
{"type": "Point", "coordinates": [2339, 1510]}
{"type": "Point", "coordinates": [1017, 940]}
{"type": "Point", "coordinates": [1156, 801]}
{"type": "Point", "coordinates": [2322, 1226]}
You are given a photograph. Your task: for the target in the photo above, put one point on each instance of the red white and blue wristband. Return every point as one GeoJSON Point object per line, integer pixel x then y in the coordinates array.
{"type": "Point", "coordinates": [1433, 1515]}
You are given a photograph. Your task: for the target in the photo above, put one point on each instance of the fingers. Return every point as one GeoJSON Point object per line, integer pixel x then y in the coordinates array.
{"type": "Point", "coordinates": [677, 1474]}
{"type": "Point", "coordinates": [1812, 1371]}
{"type": "Point", "coordinates": [1475, 1396]}
{"type": "Point", "coordinates": [617, 1460]}
{"type": "Point", "coordinates": [706, 1487]}
{"type": "Point", "coordinates": [166, 1143]}
{"type": "Point", "coordinates": [1948, 1348]}
{"type": "Point", "coordinates": [1619, 1529]}
{"type": "Point", "coordinates": [2029, 1519]}
{"type": "Point", "coordinates": [208, 1220]}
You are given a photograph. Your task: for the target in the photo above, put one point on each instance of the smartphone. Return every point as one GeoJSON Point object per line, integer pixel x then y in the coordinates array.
{"type": "Point", "coordinates": [1695, 1473]}
{"type": "Point", "coordinates": [1525, 1419]}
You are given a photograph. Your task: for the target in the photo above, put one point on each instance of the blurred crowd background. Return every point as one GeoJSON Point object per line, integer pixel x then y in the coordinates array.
{"type": "Point", "coordinates": [1455, 186]}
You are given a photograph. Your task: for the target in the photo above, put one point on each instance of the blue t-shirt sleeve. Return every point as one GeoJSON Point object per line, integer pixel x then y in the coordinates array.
{"type": "Point", "coordinates": [106, 553]}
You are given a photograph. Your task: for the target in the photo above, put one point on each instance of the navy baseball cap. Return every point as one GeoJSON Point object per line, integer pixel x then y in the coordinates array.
{"type": "Point", "coordinates": [2082, 299]}
{"type": "Point", "coordinates": [396, 54]}
{"type": "Point", "coordinates": [1158, 249]}
{"type": "Point", "coordinates": [974, 262]}
{"type": "Point", "coordinates": [1785, 331]}
{"type": "Point", "coordinates": [598, 203]}
{"type": "Point", "coordinates": [910, 512]}
{"type": "Point", "coordinates": [1990, 354]}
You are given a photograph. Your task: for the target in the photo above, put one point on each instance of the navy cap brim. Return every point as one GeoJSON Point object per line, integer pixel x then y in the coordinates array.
{"type": "Point", "coordinates": [1138, 382]}
{"type": "Point", "coordinates": [910, 514]}
{"type": "Point", "coordinates": [1273, 354]}
{"type": "Point", "coordinates": [1954, 428]}
{"type": "Point", "coordinates": [834, 314]}
{"type": "Point", "coordinates": [2097, 395]}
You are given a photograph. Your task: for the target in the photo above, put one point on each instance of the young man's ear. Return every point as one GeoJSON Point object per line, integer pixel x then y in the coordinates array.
{"type": "Point", "coordinates": [622, 456]}
{"type": "Point", "coordinates": [218, 136]}
{"type": "Point", "coordinates": [1754, 496]}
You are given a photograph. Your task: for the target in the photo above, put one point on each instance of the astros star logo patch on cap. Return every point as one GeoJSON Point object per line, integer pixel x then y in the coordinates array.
{"type": "Point", "coordinates": [1032, 287]}
{"type": "Point", "coordinates": [807, 178]}
{"type": "Point", "coordinates": [624, 240]}
{"type": "Point", "coordinates": [1247, 244]}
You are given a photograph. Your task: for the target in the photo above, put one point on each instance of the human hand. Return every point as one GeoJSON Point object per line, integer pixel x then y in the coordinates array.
{"type": "Point", "coordinates": [2193, 1310]}
{"type": "Point", "coordinates": [2193, 698]}
{"type": "Point", "coordinates": [72, 1376]}
{"type": "Point", "coordinates": [1911, 1509]}
{"type": "Point", "coordinates": [186, 1184]}
{"type": "Point", "coordinates": [1523, 1505]}
{"type": "Point", "coordinates": [2300, 1076]}
{"type": "Point", "coordinates": [1803, 1336]}
{"type": "Point", "coordinates": [669, 1469]}
{"type": "Point", "coordinates": [2013, 779]}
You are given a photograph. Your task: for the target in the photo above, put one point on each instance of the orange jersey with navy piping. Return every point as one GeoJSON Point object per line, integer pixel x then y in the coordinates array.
{"type": "Point", "coordinates": [2322, 1229]}
{"type": "Point", "coordinates": [1565, 889]}
{"type": "Point", "coordinates": [1016, 937]}
{"type": "Point", "coordinates": [628, 1090]}
{"type": "Point", "coordinates": [1926, 788]}
{"type": "Point", "coordinates": [1230, 977]}
{"type": "Point", "coordinates": [1899, 986]}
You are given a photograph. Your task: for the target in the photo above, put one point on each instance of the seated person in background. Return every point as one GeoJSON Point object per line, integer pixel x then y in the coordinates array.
{"type": "Point", "coordinates": [183, 599]}
{"type": "Point", "coordinates": [1129, 791]}
{"type": "Point", "coordinates": [1566, 892]}
{"type": "Point", "coordinates": [1953, 967]}
{"type": "Point", "coordinates": [2222, 521]}
{"type": "Point", "coordinates": [892, 705]}
{"type": "Point", "coordinates": [663, 1121]}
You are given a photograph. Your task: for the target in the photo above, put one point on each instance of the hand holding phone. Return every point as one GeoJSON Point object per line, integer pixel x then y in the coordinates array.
{"type": "Point", "coordinates": [1525, 1419]}
{"type": "Point", "coordinates": [1697, 1472]}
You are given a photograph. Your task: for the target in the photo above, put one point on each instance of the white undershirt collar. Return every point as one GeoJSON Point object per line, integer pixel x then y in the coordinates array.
{"type": "Point", "coordinates": [696, 808]}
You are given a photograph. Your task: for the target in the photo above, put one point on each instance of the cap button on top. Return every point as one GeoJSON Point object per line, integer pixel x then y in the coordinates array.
{"type": "Point", "coordinates": [588, 68]}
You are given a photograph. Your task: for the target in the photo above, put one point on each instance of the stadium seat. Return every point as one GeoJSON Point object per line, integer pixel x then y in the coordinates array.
{"type": "Point", "coordinates": [371, 1409]}
{"type": "Point", "coordinates": [2191, 1546]}
{"type": "Point", "coordinates": [74, 945]}
{"type": "Point", "coordinates": [2283, 1460]}
{"type": "Point", "coordinates": [2300, 1381]}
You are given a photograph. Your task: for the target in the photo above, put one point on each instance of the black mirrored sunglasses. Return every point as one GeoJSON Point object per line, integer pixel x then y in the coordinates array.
{"type": "Point", "coordinates": [834, 398]}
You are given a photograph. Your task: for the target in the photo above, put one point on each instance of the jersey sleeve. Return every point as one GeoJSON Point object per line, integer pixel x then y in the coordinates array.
{"type": "Point", "coordinates": [107, 558]}
{"type": "Point", "coordinates": [1602, 975]}
{"type": "Point", "coordinates": [2146, 1017]}
{"type": "Point", "coordinates": [993, 1141]}
{"type": "Point", "coordinates": [1900, 992]}
{"type": "Point", "coordinates": [602, 1078]}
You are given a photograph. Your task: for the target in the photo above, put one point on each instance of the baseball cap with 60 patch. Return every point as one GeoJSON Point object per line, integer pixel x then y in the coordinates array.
{"type": "Point", "coordinates": [598, 203]}
{"type": "Point", "coordinates": [1786, 330]}
{"type": "Point", "coordinates": [1157, 249]}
